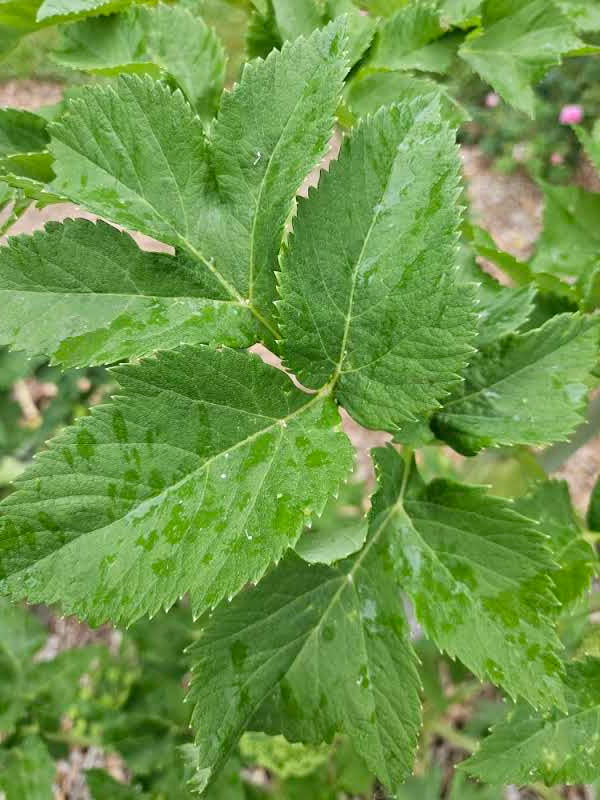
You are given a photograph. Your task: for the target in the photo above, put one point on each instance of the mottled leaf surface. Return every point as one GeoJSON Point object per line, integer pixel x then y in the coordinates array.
{"type": "Point", "coordinates": [150, 40]}
{"type": "Point", "coordinates": [84, 293]}
{"type": "Point", "coordinates": [555, 748]}
{"type": "Point", "coordinates": [137, 154]}
{"type": "Point", "coordinates": [198, 476]}
{"type": "Point", "coordinates": [549, 504]}
{"type": "Point", "coordinates": [286, 636]}
{"type": "Point", "coordinates": [477, 573]}
{"type": "Point", "coordinates": [524, 389]}
{"type": "Point", "coordinates": [517, 44]}
{"type": "Point", "coordinates": [369, 300]}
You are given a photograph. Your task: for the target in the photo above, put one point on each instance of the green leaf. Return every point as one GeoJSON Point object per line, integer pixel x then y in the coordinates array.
{"type": "Point", "coordinates": [570, 240]}
{"type": "Point", "coordinates": [332, 644]}
{"type": "Point", "coordinates": [27, 771]}
{"type": "Point", "coordinates": [585, 14]}
{"type": "Point", "coordinates": [150, 40]}
{"type": "Point", "coordinates": [550, 505]}
{"type": "Point", "coordinates": [428, 787]}
{"type": "Point", "coordinates": [103, 787]}
{"type": "Point", "coordinates": [340, 531]}
{"type": "Point", "coordinates": [525, 389]}
{"type": "Point", "coordinates": [520, 41]}
{"type": "Point", "coordinates": [360, 28]}
{"type": "Point", "coordinates": [370, 89]}
{"type": "Point", "coordinates": [21, 635]}
{"type": "Point", "coordinates": [383, 8]}
{"type": "Point", "coordinates": [555, 748]}
{"type": "Point", "coordinates": [296, 18]}
{"type": "Point", "coordinates": [285, 759]}
{"type": "Point", "coordinates": [477, 574]}
{"type": "Point", "coordinates": [462, 13]}
{"type": "Point", "coordinates": [63, 10]}
{"type": "Point", "coordinates": [194, 480]}
{"type": "Point", "coordinates": [17, 19]}
{"type": "Point", "coordinates": [593, 514]}
{"type": "Point", "coordinates": [485, 246]}
{"type": "Point", "coordinates": [414, 39]}
{"type": "Point", "coordinates": [103, 299]}
{"type": "Point", "coordinates": [369, 300]}
{"type": "Point", "coordinates": [501, 310]}
{"type": "Point", "coordinates": [590, 141]}
{"type": "Point", "coordinates": [21, 132]}
{"type": "Point", "coordinates": [137, 155]}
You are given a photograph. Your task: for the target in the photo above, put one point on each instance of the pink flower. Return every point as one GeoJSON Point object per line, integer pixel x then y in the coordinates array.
{"type": "Point", "coordinates": [557, 159]}
{"type": "Point", "coordinates": [363, 13]}
{"type": "Point", "coordinates": [571, 115]}
{"type": "Point", "coordinates": [492, 100]}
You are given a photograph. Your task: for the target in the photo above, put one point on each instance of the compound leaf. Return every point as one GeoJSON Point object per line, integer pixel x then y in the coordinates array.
{"type": "Point", "coordinates": [331, 645]}
{"type": "Point", "coordinates": [150, 40]}
{"type": "Point", "coordinates": [138, 155]}
{"type": "Point", "coordinates": [555, 748]}
{"type": "Point", "coordinates": [500, 402]}
{"type": "Point", "coordinates": [195, 479]}
{"type": "Point", "coordinates": [103, 299]}
{"type": "Point", "coordinates": [517, 44]}
{"type": "Point", "coordinates": [477, 573]}
{"type": "Point", "coordinates": [369, 300]}
{"type": "Point", "coordinates": [549, 504]}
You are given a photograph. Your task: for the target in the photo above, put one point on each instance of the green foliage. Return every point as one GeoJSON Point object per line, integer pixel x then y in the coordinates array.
{"type": "Point", "coordinates": [151, 40]}
{"type": "Point", "coordinates": [203, 475]}
{"type": "Point", "coordinates": [370, 332]}
{"type": "Point", "coordinates": [570, 241]}
{"type": "Point", "coordinates": [414, 39]}
{"type": "Point", "coordinates": [452, 548]}
{"type": "Point", "coordinates": [27, 771]}
{"type": "Point", "coordinates": [496, 403]}
{"type": "Point", "coordinates": [107, 299]}
{"type": "Point", "coordinates": [279, 644]}
{"type": "Point", "coordinates": [176, 453]}
{"type": "Point", "coordinates": [554, 748]}
{"type": "Point", "coordinates": [517, 44]}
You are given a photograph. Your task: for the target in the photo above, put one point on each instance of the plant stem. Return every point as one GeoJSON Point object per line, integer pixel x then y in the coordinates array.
{"type": "Point", "coordinates": [455, 737]}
